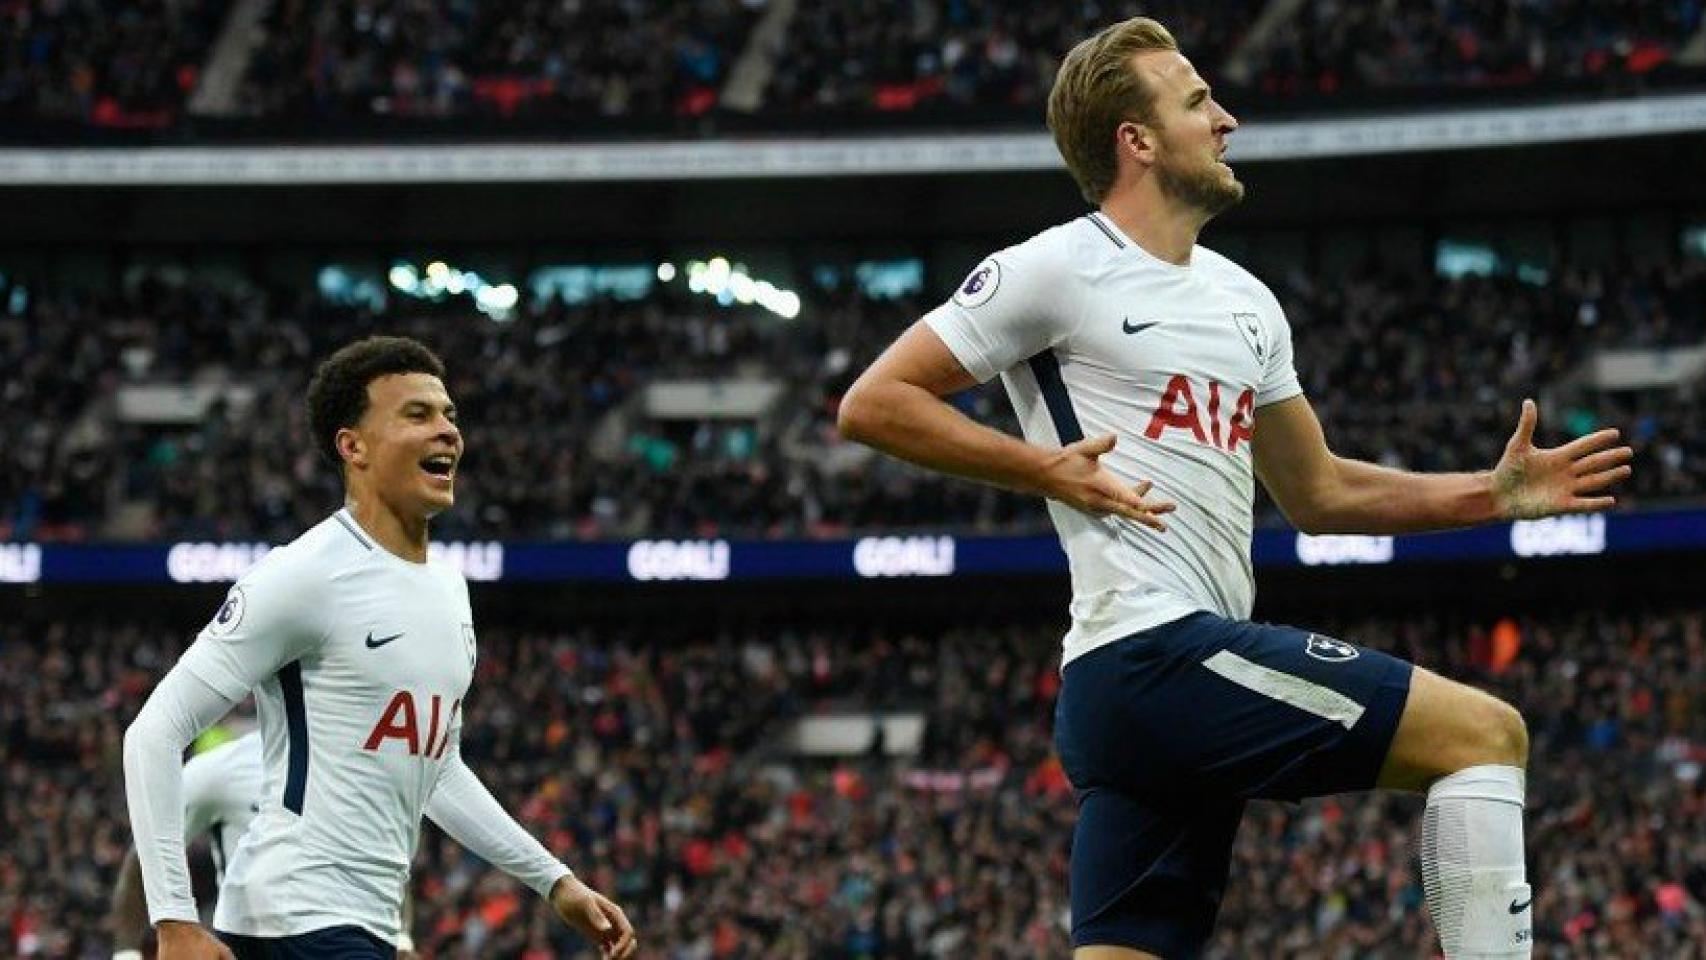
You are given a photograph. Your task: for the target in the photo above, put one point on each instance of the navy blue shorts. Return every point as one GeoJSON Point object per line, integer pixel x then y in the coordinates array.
{"type": "Point", "coordinates": [1165, 734]}
{"type": "Point", "coordinates": [332, 943]}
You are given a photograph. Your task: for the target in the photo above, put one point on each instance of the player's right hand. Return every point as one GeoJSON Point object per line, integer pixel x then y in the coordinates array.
{"type": "Point", "coordinates": [180, 940]}
{"type": "Point", "coordinates": [595, 917]}
{"type": "Point", "coordinates": [1076, 477]}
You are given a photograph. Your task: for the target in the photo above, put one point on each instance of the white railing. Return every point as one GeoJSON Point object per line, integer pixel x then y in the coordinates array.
{"type": "Point", "coordinates": [730, 159]}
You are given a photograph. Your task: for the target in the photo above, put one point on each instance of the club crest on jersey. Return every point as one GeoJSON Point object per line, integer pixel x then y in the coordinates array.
{"type": "Point", "coordinates": [1330, 650]}
{"type": "Point", "coordinates": [1250, 328]}
{"type": "Point", "coordinates": [230, 613]}
{"type": "Point", "coordinates": [979, 285]}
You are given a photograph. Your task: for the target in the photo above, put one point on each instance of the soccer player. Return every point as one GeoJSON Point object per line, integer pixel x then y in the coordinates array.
{"type": "Point", "coordinates": [222, 792]}
{"type": "Point", "coordinates": [359, 651]}
{"type": "Point", "coordinates": [1135, 357]}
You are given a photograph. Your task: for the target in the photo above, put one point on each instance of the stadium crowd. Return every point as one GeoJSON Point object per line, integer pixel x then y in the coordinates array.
{"type": "Point", "coordinates": [650, 758]}
{"type": "Point", "coordinates": [1406, 370]}
{"type": "Point", "coordinates": [134, 65]}
{"type": "Point", "coordinates": [1436, 45]}
{"type": "Point", "coordinates": [878, 55]}
{"type": "Point", "coordinates": [113, 63]}
{"type": "Point", "coordinates": [443, 58]}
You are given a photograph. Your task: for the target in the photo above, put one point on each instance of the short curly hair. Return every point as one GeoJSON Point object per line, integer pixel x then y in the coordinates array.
{"type": "Point", "coordinates": [1094, 92]}
{"type": "Point", "coordinates": [337, 396]}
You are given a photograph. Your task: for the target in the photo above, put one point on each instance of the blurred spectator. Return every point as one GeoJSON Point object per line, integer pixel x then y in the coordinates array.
{"type": "Point", "coordinates": [890, 56]}
{"type": "Point", "coordinates": [1334, 46]}
{"type": "Point", "coordinates": [1405, 369]}
{"type": "Point", "coordinates": [647, 758]}
{"type": "Point", "coordinates": [458, 58]}
{"type": "Point", "coordinates": [964, 61]}
{"type": "Point", "coordinates": [112, 63]}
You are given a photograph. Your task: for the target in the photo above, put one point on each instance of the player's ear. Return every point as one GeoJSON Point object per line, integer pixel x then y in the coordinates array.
{"type": "Point", "coordinates": [1137, 141]}
{"type": "Point", "coordinates": [351, 447]}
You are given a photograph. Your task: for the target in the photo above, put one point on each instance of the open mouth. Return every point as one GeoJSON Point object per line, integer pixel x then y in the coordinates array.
{"type": "Point", "coordinates": [440, 465]}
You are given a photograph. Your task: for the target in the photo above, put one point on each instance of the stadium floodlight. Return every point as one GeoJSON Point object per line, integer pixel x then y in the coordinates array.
{"type": "Point", "coordinates": [496, 301]}
{"type": "Point", "coordinates": [666, 272]}
{"type": "Point", "coordinates": [730, 283]}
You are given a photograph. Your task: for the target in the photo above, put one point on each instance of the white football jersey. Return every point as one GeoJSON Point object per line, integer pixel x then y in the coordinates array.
{"type": "Point", "coordinates": [222, 793]}
{"type": "Point", "coordinates": [359, 661]}
{"type": "Point", "coordinates": [1092, 335]}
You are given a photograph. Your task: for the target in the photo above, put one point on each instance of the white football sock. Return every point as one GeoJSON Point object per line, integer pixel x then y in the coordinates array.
{"type": "Point", "coordinates": [1472, 864]}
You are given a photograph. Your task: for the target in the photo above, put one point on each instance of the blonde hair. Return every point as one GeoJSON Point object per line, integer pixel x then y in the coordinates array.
{"type": "Point", "coordinates": [1095, 91]}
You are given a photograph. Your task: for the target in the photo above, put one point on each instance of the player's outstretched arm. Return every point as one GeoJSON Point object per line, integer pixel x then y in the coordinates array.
{"type": "Point", "coordinates": [1321, 492]}
{"type": "Point", "coordinates": [896, 406]}
{"type": "Point", "coordinates": [462, 806]}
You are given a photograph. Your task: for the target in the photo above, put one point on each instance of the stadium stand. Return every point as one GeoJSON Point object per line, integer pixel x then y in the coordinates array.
{"type": "Point", "coordinates": [156, 343]}
{"type": "Point", "coordinates": [893, 57]}
{"type": "Point", "coordinates": [328, 66]}
{"type": "Point", "coordinates": [105, 62]}
{"type": "Point", "coordinates": [1403, 367]}
{"type": "Point", "coordinates": [445, 58]}
{"type": "Point", "coordinates": [652, 757]}
{"type": "Point", "coordinates": [1332, 47]}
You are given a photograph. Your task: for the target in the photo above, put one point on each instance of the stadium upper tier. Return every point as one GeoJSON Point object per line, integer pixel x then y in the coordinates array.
{"type": "Point", "coordinates": [174, 410]}
{"type": "Point", "coordinates": [699, 67]}
{"type": "Point", "coordinates": [652, 759]}
{"type": "Point", "coordinates": [110, 63]}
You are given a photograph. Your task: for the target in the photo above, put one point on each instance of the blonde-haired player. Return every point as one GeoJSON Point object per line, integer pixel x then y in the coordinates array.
{"type": "Point", "coordinates": [1140, 363]}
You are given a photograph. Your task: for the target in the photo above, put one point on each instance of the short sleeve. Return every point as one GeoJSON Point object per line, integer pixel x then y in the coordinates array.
{"type": "Point", "coordinates": [1008, 309]}
{"type": "Point", "coordinates": [269, 618]}
{"type": "Point", "coordinates": [1279, 373]}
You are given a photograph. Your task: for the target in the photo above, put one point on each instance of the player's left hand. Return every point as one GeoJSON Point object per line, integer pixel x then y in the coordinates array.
{"type": "Point", "coordinates": [1533, 482]}
{"type": "Point", "coordinates": [595, 917]}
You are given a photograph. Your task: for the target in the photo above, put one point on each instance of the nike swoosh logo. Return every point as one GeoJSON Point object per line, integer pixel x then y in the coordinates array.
{"type": "Point", "coordinates": [1520, 907]}
{"type": "Point", "coordinates": [1130, 327]}
{"type": "Point", "coordinates": [373, 644]}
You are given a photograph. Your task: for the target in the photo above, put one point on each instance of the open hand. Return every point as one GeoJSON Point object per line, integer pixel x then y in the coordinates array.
{"type": "Point", "coordinates": [1076, 477]}
{"type": "Point", "coordinates": [1532, 482]}
{"type": "Point", "coordinates": [595, 917]}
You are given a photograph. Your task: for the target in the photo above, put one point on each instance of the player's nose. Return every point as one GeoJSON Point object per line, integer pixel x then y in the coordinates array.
{"type": "Point", "coordinates": [449, 432]}
{"type": "Point", "coordinates": [1225, 122]}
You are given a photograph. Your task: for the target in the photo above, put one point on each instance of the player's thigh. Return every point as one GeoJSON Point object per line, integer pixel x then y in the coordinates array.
{"type": "Point", "coordinates": [1447, 726]}
{"type": "Point", "coordinates": [1148, 875]}
{"type": "Point", "coordinates": [1112, 953]}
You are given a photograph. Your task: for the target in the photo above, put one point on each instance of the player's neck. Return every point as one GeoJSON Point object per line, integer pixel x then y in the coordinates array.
{"type": "Point", "coordinates": [1166, 231]}
{"type": "Point", "coordinates": [403, 536]}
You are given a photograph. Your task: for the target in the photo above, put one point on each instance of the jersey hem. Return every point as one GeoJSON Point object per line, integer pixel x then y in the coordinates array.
{"type": "Point", "coordinates": [1174, 609]}
{"type": "Point", "coordinates": [303, 925]}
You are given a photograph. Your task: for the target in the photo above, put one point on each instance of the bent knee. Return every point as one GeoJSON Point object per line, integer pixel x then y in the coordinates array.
{"type": "Point", "coordinates": [1497, 734]}
{"type": "Point", "coordinates": [1510, 744]}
